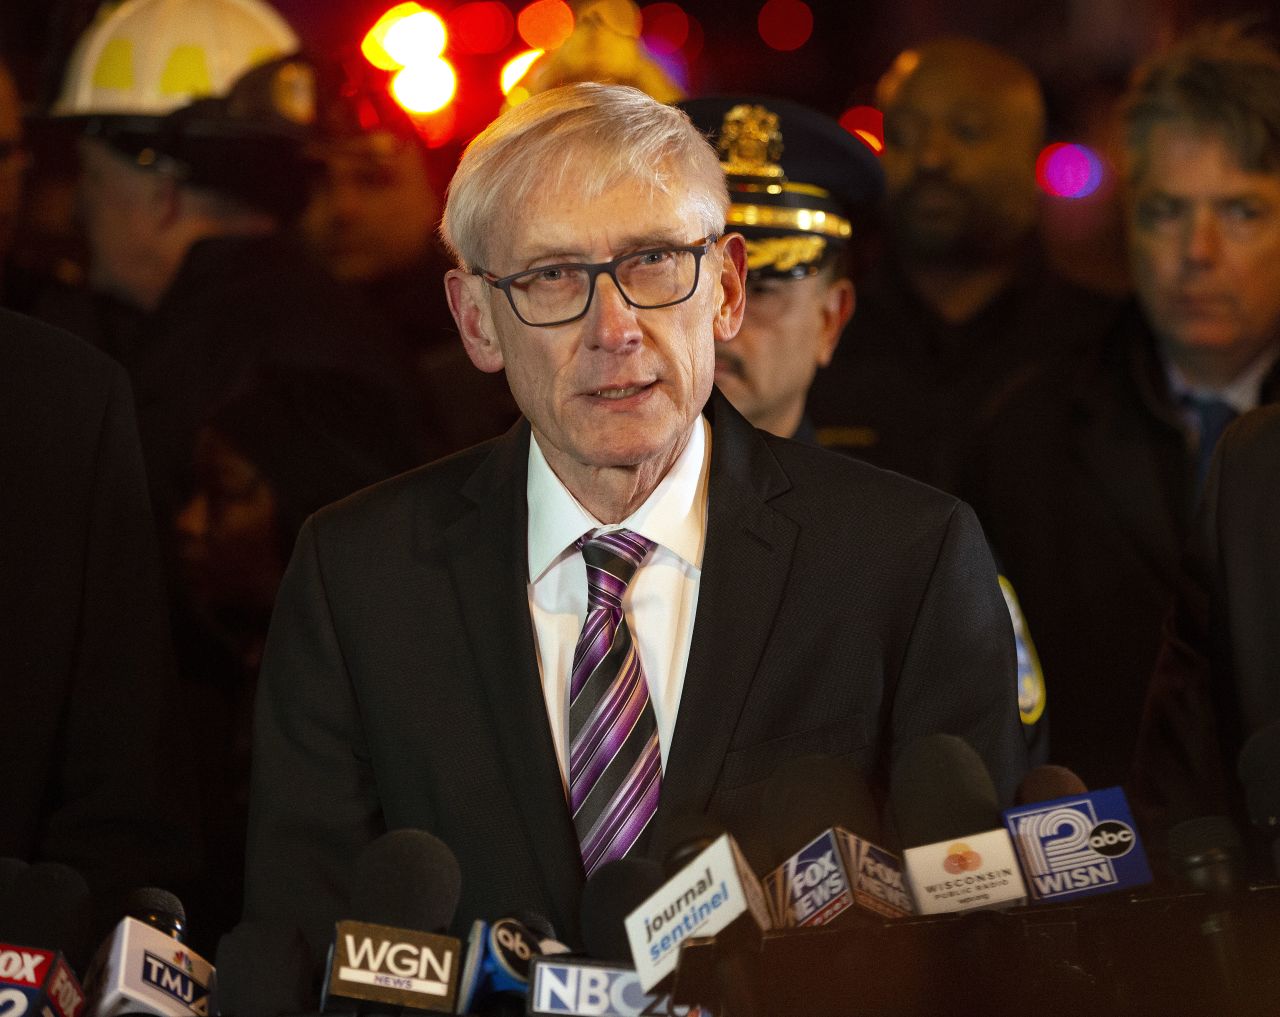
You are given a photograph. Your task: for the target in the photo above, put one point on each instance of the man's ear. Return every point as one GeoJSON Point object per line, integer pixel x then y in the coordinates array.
{"type": "Point", "coordinates": [732, 286]}
{"type": "Point", "coordinates": [837, 308]}
{"type": "Point", "coordinates": [472, 311]}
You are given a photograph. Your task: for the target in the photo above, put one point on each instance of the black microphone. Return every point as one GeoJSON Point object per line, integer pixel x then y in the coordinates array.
{"type": "Point", "coordinates": [1207, 853]}
{"type": "Point", "coordinates": [840, 874]}
{"type": "Point", "coordinates": [406, 884]}
{"type": "Point", "coordinates": [1259, 770]}
{"type": "Point", "coordinates": [1047, 782]}
{"type": "Point", "coordinates": [264, 970]}
{"type": "Point", "coordinates": [144, 966]}
{"type": "Point", "coordinates": [957, 854]}
{"type": "Point", "coordinates": [44, 915]}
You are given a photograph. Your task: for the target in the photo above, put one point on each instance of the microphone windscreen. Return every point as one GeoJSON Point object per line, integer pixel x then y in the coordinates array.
{"type": "Point", "coordinates": [408, 879]}
{"type": "Point", "coordinates": [264, 969]}
{"type": "Point", "coordinates": [48, 906]}
{"type": "Point", "coordinates": [1045, 783]}
{"type": "Point", "coordinates": [939, 789]}
{"type": "Point", "coordinates": [809, 794]}
{"type": "Point", "coordinates": [158, 908]}
{"type": "Point", "coordinates": [615, 890]}
{"type": "Point", "coordinates": [686, 837]}
{"type": "Point", "coordinates": [1208, 853]}
{"type": "Point", "coordinates": [1259, 770]}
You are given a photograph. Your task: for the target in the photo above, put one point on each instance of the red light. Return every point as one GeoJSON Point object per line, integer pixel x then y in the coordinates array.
{"type": "Point", "coordinates": [866, 123]}
{"type": "Point", "coordinates": [666, 28]}
{"type": "Point", "coordinates": [1068, 171]}
{"type": "Point", "coordinates": [693, 45]}
{"type": "Point", "coordinates": [484, 27]}
{"type": "Point", "coordinates": [545, 24]}
{"type": "Point", "coordinates": [785, 24]}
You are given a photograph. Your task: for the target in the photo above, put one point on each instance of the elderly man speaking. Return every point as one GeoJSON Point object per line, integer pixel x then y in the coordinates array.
{"type": "Point", "coordinates": [633, 606]}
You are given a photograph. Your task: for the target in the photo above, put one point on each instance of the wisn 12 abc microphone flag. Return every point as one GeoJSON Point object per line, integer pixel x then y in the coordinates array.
{"type": "Point", "coordinates": [1078, 846]}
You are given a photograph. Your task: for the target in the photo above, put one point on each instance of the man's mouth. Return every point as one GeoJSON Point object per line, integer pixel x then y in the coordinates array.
{"type": "Point", "coordinates": [620, 393]}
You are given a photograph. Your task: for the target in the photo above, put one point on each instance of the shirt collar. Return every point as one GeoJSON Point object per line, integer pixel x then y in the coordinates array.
{"type": "Point", "coordinates": [1242, 395]}
{"type": "Point", "coordinates": [673, 516]}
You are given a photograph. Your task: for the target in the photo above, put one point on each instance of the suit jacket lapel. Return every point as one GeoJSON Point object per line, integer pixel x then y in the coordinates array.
{"type": "Point", "coordinates": [486, 551]}
{"type": "Point", "coordinates": [744, 571]}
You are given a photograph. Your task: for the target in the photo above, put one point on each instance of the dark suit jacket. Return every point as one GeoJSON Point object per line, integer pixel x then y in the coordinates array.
{"type": "Point", "coordinates": [1217, 680]}
{"type": "Point", "coordinates": [843, 610]}
{"type": "Point", "coordinates": [85, 666]}
{"type": "Point", "coordinates": [1085, 485]}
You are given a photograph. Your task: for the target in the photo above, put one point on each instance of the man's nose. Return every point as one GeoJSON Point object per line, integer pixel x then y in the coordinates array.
{"type": "Point", "coordinates": [613, 320]}
{"type": "Point", "coordinates": [1203, 241]}
{"type": "Point", "coordinates": [933, 152]}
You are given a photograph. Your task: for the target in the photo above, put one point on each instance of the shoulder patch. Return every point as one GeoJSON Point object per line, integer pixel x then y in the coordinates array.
{"type": "Point", "coordinates": [1031, 690]}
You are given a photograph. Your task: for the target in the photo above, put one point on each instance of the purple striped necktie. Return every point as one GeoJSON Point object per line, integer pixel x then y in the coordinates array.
{"type": "Point", "coordinates": [615, 765]}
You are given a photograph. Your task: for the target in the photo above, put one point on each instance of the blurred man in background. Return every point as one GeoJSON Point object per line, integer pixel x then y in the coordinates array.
{"type": "Point", "coordinates": [963, 303]}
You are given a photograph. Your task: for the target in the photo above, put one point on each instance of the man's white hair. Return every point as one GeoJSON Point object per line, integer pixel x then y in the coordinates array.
{"type": "Point", "coordinates": [598, 134]}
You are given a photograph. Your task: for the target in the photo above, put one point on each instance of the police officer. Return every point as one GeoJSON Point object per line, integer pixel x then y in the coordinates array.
{"type": "Point", "coordinates": [801, 190]}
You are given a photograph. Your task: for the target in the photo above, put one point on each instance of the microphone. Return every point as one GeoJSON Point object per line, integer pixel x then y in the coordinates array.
{"type": "Point", "coordinates": [958, 856]}
{"type": "Point", "coordinates": [405, 883]}
{"type": "Point", "coordinates": [264, 969]}
{"type": "Point", "coordinates": [841, 873]}
{"type": "Point", "coordinates": [144, 968]}
{"type": "Point", "coordinates": [495, 977]}
{"type": "Point", "coordinates": [1208, 854]}
{"type": "Point", "coordinates": [44, 913]}
{"type": "Point", "coordinates": [605, 983]}
{"type": "Point", "coordinates": [1047, 782]}
{"type": "Point", "coordinates": [1259, 770]}
{"type": "Point", "coordinates": [1073, 842]}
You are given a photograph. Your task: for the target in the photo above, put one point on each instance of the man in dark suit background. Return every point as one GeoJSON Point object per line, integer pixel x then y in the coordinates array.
{"type": "Point", "coordinates": [91, 775]}
{"type": "Point", "coordinates": [1087, 478]}
{"type": "Point", "coordinates": [1217, 679]}
{"type": "Point", "coordinates": [436, 646]}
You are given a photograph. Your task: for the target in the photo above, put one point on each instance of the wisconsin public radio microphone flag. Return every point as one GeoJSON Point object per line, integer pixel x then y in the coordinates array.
{"type": "Point", "coordinates": [1079, 845]}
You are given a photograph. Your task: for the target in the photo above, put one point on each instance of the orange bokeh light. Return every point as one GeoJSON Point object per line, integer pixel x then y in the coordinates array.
{"type": "Point", "coordinates": [545, 24]}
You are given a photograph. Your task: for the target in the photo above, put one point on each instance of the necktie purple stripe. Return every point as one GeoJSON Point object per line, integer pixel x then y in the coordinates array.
{"type": "Point", "coordinates": [608, 741]}
{"type": "Point", "coordinates": [593, 645]}
{"type": "Point", "coordinates": [605, 713]}
{"type": "Point", "coordinates": [618, 829]}
{"type": "Point", "coordinates": [615, 765]}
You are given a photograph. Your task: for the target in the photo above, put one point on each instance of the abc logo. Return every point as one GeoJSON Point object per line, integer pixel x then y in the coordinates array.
{"type": "Point", "coordinates": [1111, 838]}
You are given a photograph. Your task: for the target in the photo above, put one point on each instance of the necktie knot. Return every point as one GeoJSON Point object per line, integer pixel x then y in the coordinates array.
{"type": "Point", "coordinates": [612, 559]}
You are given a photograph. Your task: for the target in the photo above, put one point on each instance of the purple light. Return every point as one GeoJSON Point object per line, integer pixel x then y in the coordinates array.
{"type": "Point", "coordinates": [1068, 171]}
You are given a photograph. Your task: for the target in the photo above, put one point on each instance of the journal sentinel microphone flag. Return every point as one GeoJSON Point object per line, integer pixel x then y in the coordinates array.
{"type": "Point", "coordinates": [1078, 846]}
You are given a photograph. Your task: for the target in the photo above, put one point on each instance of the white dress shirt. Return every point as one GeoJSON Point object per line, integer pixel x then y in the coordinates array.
{"type": "Point", "coordinates": [660, 602]}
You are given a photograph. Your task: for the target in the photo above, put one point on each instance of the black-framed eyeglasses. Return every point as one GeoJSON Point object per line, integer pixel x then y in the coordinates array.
{"type": "Point", "coordinates": [558, 294]}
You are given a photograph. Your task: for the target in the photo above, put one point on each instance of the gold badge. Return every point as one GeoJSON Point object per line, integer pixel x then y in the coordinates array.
{"type": "Point", "coordinates": [750, 142]}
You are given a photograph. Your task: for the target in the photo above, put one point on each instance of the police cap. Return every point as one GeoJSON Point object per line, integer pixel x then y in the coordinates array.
{"type": "Point", "coordinates": [800, 185]}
